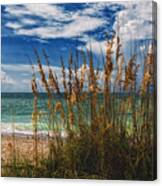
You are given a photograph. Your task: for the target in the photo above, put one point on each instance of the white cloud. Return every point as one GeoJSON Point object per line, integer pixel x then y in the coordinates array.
{"type": "Point", "coordinates": [52, 25]}
{"type": "Point", "coordinates": [6, 79]}
{"type": "Point", "coordinates": [135, 22]}
{"type": "Point", "coordinates": [16, 68]}
{"type": "Point", "coordinates": [97, 47]}
{"type": "Point", "coordinates": [45, 11]}
{"type": "Point", "coordinates": [13, 25]}
{"type": "Point", "coordinates": [13, 79]}
{"type": "Point", "coordinates": [74, 29]}
{"type": "Point", "coordinates": [27, 21]}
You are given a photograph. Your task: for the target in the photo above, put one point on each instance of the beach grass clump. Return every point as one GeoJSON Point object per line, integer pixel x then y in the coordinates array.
{"type": "Point", "coordinates": [103, 125]}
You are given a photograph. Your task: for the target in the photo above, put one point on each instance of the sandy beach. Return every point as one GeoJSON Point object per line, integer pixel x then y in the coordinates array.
{"type": "Point", "coordinates": [21, 146]}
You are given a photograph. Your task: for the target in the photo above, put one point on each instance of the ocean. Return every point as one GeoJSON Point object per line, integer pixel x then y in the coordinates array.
{"type": "Point", "coordinates": [17, 109]}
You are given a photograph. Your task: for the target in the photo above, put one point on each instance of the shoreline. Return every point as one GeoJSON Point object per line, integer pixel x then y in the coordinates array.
{"type": "Point", "coordinates": [22, 128]}
{"type": "Point", "coordinates": [18, 130]}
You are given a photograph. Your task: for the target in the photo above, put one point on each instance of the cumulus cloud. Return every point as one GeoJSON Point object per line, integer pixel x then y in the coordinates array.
{"type": "Point", "coordinates": [135, 21]}
{"type": "Point", "coordinates": [6, 79]}
{"type": "Point", "coordinates": [98, 47]}
{"type": "Point", "coordinates": [13, 75]}
{"type": "Point", "coordinates": [13, 79]}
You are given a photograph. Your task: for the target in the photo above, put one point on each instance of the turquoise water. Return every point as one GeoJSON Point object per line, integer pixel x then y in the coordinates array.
{"type": "Point", "coordinates": [18, 107]}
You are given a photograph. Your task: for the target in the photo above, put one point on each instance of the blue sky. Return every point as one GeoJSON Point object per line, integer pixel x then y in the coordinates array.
{"type": "Point", "coordinates": [60, 28]}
